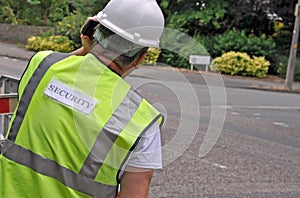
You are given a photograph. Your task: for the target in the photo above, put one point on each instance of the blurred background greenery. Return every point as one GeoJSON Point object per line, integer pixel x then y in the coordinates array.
{"type": "Point", "coordinates": [260, 28]}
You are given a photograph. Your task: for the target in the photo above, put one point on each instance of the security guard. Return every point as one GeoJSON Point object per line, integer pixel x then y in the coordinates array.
{"type": "Point", "coordinates": [79, 129]}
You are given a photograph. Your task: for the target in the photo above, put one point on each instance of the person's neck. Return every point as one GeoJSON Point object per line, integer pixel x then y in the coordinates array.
{"type": "Point", "coordinates": [107, 61]}
{"type": "Point", "coordinates": [111, 65]}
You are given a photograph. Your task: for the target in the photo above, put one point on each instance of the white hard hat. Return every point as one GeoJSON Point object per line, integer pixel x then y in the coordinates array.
{"type": "Point", "coordinates": [139, 21]}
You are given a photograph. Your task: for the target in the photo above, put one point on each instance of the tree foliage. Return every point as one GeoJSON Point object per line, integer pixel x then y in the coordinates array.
{"type": "Point", "coordinates": [205, 17]}
{"type": "Point", "coordinates": [203, 20]}
{"type": "Point", "coordinates": [89, 8]}
{"type": "Point", "coordinates": [34, 12]}
{"type": "Point", "coordinates": [215, 17]}
{"type": "Point", "coordinates": [202, 16]}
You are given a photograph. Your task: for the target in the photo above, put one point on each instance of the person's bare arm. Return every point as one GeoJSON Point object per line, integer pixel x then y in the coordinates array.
{"type": "Point", "coordinates": [86, 46]}
{"type": "Point", "coordinates": [85, 40]}
{"type": "Point", "coordinates": [135, 183]}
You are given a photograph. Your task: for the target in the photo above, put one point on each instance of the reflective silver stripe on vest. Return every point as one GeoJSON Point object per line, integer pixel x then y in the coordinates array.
{"type": "Point", "coordinates": [105, 140]}
{"type": "Point", "coordinates": [30, 89]}
{"type": "Point", "coordinates": [134, 145]}
{"type": "Point", "coordinates": [82, 182]}
{"type": "Point", "coordinates": [50, 168]}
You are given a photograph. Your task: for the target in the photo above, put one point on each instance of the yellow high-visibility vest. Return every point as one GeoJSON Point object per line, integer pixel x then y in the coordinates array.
{"type": "Point", "coordinates": [73, 130]}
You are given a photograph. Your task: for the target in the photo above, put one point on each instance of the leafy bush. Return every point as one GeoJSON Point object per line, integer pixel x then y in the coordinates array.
{"type": "Point", "coordinates": [55, 43]}
{"type": "Point", "coordinates": [282, 37]}
{"type": "Point", "coordinates": [240, 42]}
{"type": "Point", "coordinates": [177, 47]}
{"type": "Point", "coordinates": [238, 63]}
{"type": "Point", "coordinates": [152, 56]}
{"type": "Point", "coordinates": [233, 63]}
{"type": "Point", "coordinates": [7, 15]}
{"type": "Point", "coordinates": [70, 26]}
{"type": "Point", "coordinates": [173, 59]}
{"type": "Point", "coordinates": [208, 43]}
{"type": "Point", "coordinates": [252, 45]}
{"type": "Point", "coordinates": [260, 66]}
{"type": "Point", "coordinates": [33, 12]}
{"type": "Point", "coordinates": [88, 8]}
{"type": "Point", "coordinates": [282, 69]}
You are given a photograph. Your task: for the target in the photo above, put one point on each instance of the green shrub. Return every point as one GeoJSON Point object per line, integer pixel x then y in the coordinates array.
{"type": "Point", "coordinates": [240, 42]}
{"type": "Point", "coordinates": [282, 37]}
{"type": "Point", "coordinates": [282, 69]}
{"type": "Point", "coordinates": [177, 47]}
{"type": "Point", "coordinates": [229, 41]}
{"type": "Point", "coordinates": [233, 63]}
{"type": "Point", "coordinates": [55, 43]}
{"type": "Point", "coordinates": [238, 63]}
{"type": "Point", "coordinates": [7, 15]}
{"type": "Point", "coordinates": [152, 56]}
{"type": "Point", "coordinates": [208, 43]}
{"type": "Point", "coordinates": [173, 59]}
{"type": "Point", "coordinates": [259, 66]}
{"type": "Point", "coordinates": [70, 26]}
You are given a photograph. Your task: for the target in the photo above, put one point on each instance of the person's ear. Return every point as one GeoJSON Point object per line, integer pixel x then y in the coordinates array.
{"type": "Point", "coordinates": [140, 59]}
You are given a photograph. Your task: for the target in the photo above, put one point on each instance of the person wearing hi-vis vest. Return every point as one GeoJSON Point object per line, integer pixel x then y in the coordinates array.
{"type": "Point", "coordinates": [79, 129]}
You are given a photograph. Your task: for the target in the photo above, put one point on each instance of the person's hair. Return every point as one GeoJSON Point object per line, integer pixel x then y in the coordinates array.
{"type": "Point", "coordinates": [121, 51]}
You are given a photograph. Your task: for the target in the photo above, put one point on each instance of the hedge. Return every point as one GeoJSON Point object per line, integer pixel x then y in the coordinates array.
{"type": "Point", "coordinates": [239, 63]}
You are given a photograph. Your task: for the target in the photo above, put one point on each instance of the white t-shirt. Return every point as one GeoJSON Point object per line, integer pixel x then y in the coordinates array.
{"type": "Point", "coordinates": [147, 153]}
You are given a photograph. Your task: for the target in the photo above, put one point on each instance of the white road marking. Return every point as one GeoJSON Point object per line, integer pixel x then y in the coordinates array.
{"type": "Point", "coordinates": [254, 107]}
{"type": "Point", "coordinates": [215, 164]}
{"type": "Point", "coordinates": [257, 115]}
{"type": "Point", "coordinates": [280, 124]}
{"type": "Point", "coordinates": [8, 58]}
{"type": "Point", "coordinates": [219, 165]}
{"type": "Point", "coordinates": [235, 113]}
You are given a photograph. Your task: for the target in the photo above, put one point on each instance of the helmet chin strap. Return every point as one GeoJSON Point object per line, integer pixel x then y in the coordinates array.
{"type": "Point", "coordinates": [121, 71]}
{"type": "Point", "coordinates": [129, 71]}
{"type": "Point", "coordinates": [107, 44]}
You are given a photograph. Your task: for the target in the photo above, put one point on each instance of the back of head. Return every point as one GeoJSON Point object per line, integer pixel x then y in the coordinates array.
{"type": "Point", "coordinates": [128, 27]}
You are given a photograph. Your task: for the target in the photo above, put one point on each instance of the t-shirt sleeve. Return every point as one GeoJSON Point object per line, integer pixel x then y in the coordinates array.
{"type": "Point", "coordinates": [147, 154]}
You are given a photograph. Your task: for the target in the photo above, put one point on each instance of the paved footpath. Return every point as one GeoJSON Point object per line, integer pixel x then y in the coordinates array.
{"type": "Point", "coordinates": [13, 51]}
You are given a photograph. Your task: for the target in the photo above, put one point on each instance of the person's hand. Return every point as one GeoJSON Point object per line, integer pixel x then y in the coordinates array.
{"type": "Point", "coordinates": [85, 41]}
{"type": "Point", "coordinates": [86, 46]}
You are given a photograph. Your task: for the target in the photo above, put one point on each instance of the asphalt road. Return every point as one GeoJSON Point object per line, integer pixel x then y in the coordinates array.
{"type": "Point", "coordinates": [218, 141]}
{"type": "Point", "coordinates": [11, 66]}
{"type": "Point", "coordinates": [257, 150]}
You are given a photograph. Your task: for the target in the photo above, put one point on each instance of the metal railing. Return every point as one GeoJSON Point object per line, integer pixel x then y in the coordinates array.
{"type": "Point", "coordinates": [8, 103]}
{"type": "Point", "coordinates": [8, 84]}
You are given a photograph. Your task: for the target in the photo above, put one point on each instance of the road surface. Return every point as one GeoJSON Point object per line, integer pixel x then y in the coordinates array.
{"type": "Point", "coordinates": [218, 141]}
